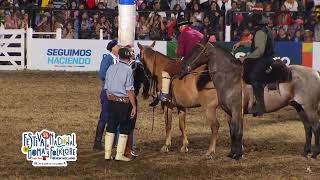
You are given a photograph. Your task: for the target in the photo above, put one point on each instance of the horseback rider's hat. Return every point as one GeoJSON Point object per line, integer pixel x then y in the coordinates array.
{"type": "Point", "coordinates": [184, 23]}
{"type": "Point", "coordinates": [111, 44]}
{"type": "Point", "coordinates": [125, 53]}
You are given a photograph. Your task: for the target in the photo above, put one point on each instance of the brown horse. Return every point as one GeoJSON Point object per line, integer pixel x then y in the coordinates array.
{"type": "Point", "coordinates": [236, 98]}
{"type": "Point", "coordinates": [192, 91]}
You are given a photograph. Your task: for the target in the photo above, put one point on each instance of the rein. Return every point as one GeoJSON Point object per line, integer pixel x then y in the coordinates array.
{"type": "Point", "coordinates": [204, 48]}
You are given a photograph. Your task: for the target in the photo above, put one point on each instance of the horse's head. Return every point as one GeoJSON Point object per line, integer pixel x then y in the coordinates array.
{"type": "Point", "coordinates": [197, 57]}
{"type": "Point", "coordinates": [141, 77]}
{"type": "Point", "coordinates": [145, 52]}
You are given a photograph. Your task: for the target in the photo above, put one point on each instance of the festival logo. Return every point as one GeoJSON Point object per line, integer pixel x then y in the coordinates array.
{"type": "Point", "coordinates": [46, 149]}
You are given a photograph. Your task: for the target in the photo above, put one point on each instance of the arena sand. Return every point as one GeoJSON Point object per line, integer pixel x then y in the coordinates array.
{"type": "Point", "coordinates": [69, 102]}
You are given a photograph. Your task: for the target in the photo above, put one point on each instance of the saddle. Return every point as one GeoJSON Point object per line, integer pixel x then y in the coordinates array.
{"type": "Point", "coordinates": [277, 73]}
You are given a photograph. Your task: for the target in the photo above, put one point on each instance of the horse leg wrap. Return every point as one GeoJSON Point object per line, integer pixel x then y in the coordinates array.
{"type": "Point", "coordinates": [165, 82]}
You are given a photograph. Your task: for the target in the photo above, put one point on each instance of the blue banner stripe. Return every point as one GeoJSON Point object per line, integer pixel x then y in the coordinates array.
{"type": "Point", "coordinates": [127, 2]}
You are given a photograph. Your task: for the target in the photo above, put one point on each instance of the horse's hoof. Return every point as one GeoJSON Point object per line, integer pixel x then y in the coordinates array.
{"type": "Point", "coordinates": [208, 156]}
{"type": "Point", "coordinates": [165, 149]}
{"type": "Point", "coordinates": [184, 149]}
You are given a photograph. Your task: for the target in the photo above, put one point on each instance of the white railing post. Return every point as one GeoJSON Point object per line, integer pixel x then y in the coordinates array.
{"type": "Point", "coordinates": [28, 46]}
{"type": "Point", "coordinates": [58, 33]}
{"type": "Point", "coordinates": [227, 34]}
{"type": "Point", "coordinates": [101, 34]}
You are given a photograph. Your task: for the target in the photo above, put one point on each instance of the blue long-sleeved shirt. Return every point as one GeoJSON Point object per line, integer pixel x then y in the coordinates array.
{"type": "Point", "coordinates": [106, 62]}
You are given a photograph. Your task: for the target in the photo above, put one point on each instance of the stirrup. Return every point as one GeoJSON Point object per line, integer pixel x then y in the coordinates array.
{"type": "Point", "coordinates": [164, 97]}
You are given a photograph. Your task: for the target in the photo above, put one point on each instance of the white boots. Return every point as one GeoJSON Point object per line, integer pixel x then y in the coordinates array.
{"type": "Point", "coordinates": [122, 142]}
{"type": "Point", "coordinates": [121, 148]}
{"type": "Point", "coordinates": [108, 142]}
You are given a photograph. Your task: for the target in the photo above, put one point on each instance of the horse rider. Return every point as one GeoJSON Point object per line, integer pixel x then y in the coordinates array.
{"type": "Point", "coordinates": [107, 61]}
{"type": "Point", "coordinates": [122, 105]}
{"type": "Point", "coordinates": [261, 56]}
{"type": "Point", "coordinates": [187, 39]}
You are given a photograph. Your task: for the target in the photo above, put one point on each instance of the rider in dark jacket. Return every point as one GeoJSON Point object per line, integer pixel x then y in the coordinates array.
{"type": "Point", "coordinates": [262, 51]}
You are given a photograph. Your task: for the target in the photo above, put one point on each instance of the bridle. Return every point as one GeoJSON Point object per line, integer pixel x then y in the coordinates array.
{"type": "Point", "coordinates": [204, 48]}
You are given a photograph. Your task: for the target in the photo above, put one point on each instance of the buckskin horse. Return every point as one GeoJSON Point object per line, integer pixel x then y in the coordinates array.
{"type": "Point", "coordinates": [192, 91]}
{"type": "Point", "coordinates": [302, 91]}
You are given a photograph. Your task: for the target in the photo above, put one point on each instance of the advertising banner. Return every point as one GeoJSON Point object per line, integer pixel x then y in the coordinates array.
{"type": "Point", "coordinates": [73, 54]}
{"type": "Point", "coordinates": [289, 52]}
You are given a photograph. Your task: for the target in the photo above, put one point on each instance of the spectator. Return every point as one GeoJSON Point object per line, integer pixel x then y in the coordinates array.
{"type": "Point", "coordinates": [282, 35]}
{"type": "Point", "coordinates": [196, 12]}
{"type": "Point", "coordinates": [207, 25]}
{"type": "Point", "coordinates": [195, 24]}
{"type": "Point", "coordinates": [115, 26]}
{"type": "Point", "coordinates": [45, 24]}
{"type": "Point", "coordinates": [177, 14]}
{"type": "Point", "coordinates": [25, 21]}
{"type": "Point", "coordinates": [91, 4]}
{"type": "Point", "coordinates": [10, 23]}
{"type": "Point", "coordinates": [224, 5]}
{"type": "Point", "coordinates": [204, 4]}
{"type": "Point", "coordinates": [246, 35]}
{"type": "Point", "coordinates": [143, 7]}
{"type": "Point", "coordinates": [297, 36]}
{"type": "Point", "coordinates": [86, 25]}
{"type": "Point", "coordinates": [105, 25]}
{"type": "Point", "coordinates": [157, 9]}
{"type": "Point", "coordinates": [214, 15]}
{"type": "Point", "coordinates": [112, 4]}
{"type": "Point", "coordinates": [68, 32]}
{"type": "Point", "coordinates": [171, 26]}
{"type": "Point", "coordinates": [142, 29]}
{"type": "Point", "coordinates": [317, 31]}
{"type": "Point", "coordinates": [308, 36]}
{"type": "Point", "coordinates": [156, 27]}
{"type": "Point", "coordinates": [291, 5]}
{"type": "Point", "coordinates": [73, 5]}
{"type": "Point", "coordinates": [284, 18]}
{"type": "Point", "coordinates": [181, 3]}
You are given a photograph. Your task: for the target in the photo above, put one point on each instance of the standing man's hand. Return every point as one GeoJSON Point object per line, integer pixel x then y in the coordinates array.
{"type": "Point", "coordinates": [133, 112]}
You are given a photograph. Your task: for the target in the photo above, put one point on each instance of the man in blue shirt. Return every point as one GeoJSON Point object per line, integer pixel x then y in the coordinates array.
{"type": "Point", "coordinates": [106, 62]}
{"type": "Point", "coordinates": [122, 104]}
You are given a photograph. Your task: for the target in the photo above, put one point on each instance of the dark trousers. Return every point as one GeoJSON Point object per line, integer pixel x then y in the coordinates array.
{"type": "Point", "coordinates": [119, 115]}
{"type": "Point", "coordinates": [104, 107]}
{"type": "Point", "coordinates": [103, 118]}
{"type": "Point", "coordinates": [257, 72]}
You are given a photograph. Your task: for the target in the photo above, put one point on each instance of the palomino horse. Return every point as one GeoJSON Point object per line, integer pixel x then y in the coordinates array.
{"type": "Point", "coordinates": [236, 98]}
{"type": "Point", "coordinates": [192, 91]}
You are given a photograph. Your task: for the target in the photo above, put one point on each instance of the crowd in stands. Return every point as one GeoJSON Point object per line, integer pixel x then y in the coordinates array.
{"type": "Point", "coordinates": [290, 20]}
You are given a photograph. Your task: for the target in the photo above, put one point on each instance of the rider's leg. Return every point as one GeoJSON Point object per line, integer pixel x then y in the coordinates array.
{"type": "Point", "coordinates": [164, 95]}
{"type": "Point", "coordinates": [257, 79]}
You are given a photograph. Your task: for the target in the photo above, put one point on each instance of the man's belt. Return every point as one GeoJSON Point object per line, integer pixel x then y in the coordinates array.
{"type": "Point", "coordinates": [118, 99]}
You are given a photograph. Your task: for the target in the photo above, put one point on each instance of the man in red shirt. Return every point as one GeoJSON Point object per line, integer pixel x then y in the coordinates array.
{"type": "Point", "coordinates": [187, 39]}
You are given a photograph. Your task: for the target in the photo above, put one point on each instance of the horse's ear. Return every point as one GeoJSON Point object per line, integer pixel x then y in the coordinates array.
{"type": "Point", "coordinates": [140, 46]}
{"type": "Point", "coordinates": [153, 44]}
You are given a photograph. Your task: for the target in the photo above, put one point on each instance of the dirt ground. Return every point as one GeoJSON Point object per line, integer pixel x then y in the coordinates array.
{"type": "Point", "coordinates": [69, 102]}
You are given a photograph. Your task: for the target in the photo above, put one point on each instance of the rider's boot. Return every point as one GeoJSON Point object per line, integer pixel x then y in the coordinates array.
{"type": "Point", "coordinates": [164, 94]}
{"type": "Point", "coordinates": [259, 107]}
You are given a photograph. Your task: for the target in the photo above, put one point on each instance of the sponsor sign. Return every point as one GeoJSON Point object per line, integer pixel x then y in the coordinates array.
{"type": "Point", "coordinates": [47, 149]}
{"type": "Point", "coordinates": [73, 54]}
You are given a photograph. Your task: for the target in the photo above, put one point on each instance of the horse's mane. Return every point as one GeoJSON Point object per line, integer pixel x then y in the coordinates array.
{"type": "Point", "coordinates": [227, 53]}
